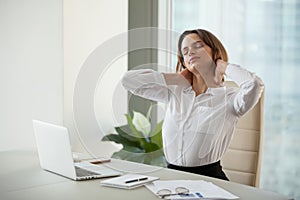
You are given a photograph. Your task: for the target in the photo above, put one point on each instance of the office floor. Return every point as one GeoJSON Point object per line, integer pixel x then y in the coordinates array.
{"type": "Point", "coordinates": [281, 164]}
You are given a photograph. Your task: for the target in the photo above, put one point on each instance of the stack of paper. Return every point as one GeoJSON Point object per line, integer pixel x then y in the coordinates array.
{"type": "Point", "coordinates": [197, 189]}
{"type": "Point", "coordinates": [129, 181]}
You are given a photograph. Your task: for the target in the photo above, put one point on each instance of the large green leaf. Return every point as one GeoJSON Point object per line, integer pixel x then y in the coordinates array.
{"type": "Point", "coordinates": [114, 138]}
{"type": "Point", "coordinates": [141, 123]}
{"type": "Point", "coordinates": [133, 149]}
{"type": "Point", "coordinates": [120, 140]}
{"type": "Point", "coordinates": [132, 127]}
{"type": "Point", "coordinates": [138, 134]}
{"type": "Point", "coordinates": [130, 156]}
{"type": "Point", "coordinates": [136, 147]}
{"type": "Point", "coordinates": [158, 158]}
{"type": "Point", "coordinates": [154, 158]}
{"type": "Point", "coordinates": [156, 136]}
{"type": "Point", "coordinates": [125, 132]}
{"type": "Point", "coordinates": [150, 146]}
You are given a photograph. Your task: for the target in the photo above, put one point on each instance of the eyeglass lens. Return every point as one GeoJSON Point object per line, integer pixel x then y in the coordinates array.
{"type": "Point", "coordinates": [166, 192]}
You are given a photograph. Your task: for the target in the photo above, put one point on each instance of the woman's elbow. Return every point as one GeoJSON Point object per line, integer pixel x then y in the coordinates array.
{"type": "Point", "coordinates": [259, 86]}
{"type": "Point", "coordinates": [125, 80]}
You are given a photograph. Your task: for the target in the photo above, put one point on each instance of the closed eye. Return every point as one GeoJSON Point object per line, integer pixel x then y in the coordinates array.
{"type": "Point", "coordinates": [198, 45]}
{"type": "Point", "coordinates": [184, 51]}
{"type": "Point", "coordinates": [195, 45]}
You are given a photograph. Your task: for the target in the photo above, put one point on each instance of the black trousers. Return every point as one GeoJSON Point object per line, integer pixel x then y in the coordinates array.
{"type": "Point", "coordinates": [213, 170]}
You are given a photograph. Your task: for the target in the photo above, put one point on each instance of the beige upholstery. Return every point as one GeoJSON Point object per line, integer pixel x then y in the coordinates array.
{"type": "Point", "coordinates": [242, 161]}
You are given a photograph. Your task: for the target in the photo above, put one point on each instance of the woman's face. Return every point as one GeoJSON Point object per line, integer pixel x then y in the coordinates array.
{"type": "Point", "coordinates": [192, 49]}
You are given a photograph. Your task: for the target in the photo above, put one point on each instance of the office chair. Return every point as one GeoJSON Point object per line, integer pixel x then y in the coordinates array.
{"type": "Point", "coordinates": [242, 161]}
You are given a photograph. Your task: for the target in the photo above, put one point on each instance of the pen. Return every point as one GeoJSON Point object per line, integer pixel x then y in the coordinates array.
{"type": "Point", "coordinates": [136, 180]}
{"type": "Point", "coordinates": [95, 162]}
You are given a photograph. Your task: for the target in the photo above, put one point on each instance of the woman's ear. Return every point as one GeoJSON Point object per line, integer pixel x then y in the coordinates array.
{"type": "Point", "coordinates": [216, 60]}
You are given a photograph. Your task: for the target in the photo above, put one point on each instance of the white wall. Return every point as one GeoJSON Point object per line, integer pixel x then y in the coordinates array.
{"type": "Point", "coordinates": [31, 71]}
{"type": "Point", "coordinates": [87, 25]}
{"type": "Point", "coordinates": [43, 46]}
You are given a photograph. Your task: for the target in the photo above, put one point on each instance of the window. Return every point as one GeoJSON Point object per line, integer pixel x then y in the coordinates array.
{"type": "Point", "coordinates": [264, 37]}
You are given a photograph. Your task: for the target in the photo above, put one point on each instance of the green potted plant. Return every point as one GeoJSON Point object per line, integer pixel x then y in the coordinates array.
{"type": "Point", "coordinates": [140, 144]}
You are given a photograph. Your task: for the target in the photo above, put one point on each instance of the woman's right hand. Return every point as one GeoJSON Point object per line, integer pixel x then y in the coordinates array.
{"type": "Point", "coordinates": [187, 75]}
{"type": "Point", "coordinates": [183, 78]}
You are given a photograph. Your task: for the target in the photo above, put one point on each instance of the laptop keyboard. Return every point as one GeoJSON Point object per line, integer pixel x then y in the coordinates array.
{"type": "Point", "coordinates": [82, 172]}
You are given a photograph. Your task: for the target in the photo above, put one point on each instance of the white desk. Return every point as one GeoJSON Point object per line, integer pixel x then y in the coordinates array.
{"type": "Point", "coordinates": [22, 178]}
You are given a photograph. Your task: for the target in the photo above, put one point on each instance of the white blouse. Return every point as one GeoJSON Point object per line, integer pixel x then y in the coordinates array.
{"type": "Point", "coordinates": [197, 129]}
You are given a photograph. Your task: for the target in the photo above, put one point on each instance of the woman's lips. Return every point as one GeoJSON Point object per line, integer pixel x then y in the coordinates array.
{"type": "Point", "coordinates": [193, 59]}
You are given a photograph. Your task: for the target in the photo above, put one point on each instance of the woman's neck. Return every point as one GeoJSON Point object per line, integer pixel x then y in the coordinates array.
{"type": "Point", "coordinates": [199, 86]}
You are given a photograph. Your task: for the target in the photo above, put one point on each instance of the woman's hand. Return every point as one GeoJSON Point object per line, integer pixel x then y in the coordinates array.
{"type": "Point", "coordinates": [187, 75]}
{"type": "Point", "coordinates": [220, 72]}
{"type": "Point", "coordinates": [183, 78]}
{"type": "Point", "coordinates": [221, 66]}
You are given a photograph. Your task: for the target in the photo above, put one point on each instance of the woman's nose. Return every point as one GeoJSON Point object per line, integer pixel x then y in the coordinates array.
{"type": "Point", "coordinates": [191, 51]}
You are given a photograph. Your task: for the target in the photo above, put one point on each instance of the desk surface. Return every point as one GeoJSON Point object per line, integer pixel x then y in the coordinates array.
{"type": "Point", "coordinates": [22, 178]}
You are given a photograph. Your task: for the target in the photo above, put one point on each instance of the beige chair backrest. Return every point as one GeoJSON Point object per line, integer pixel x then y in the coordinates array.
{"type": "Point", "coordinates": [242, 161]}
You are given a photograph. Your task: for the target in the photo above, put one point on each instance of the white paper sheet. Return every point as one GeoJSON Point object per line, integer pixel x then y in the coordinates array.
{"type": "Point", "coordinates": [198, 189]}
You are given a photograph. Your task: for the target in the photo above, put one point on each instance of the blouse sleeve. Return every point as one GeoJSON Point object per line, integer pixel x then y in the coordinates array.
{"type": "Point", "coordinates": [146, 83]}
{"type": "Point", "coordinates": [251, 88]}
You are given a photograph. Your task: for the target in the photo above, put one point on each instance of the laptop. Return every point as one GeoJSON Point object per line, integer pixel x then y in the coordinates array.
{"type": "Point", "coordinates": [54, 151]}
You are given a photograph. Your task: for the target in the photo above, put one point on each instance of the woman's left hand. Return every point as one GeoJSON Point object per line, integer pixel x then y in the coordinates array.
{"type": "Point", "coordinates": [221, 66]}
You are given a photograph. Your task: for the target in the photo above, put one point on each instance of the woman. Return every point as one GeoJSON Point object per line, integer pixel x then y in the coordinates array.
{"type": "Point", "coordinates": [201, 113]}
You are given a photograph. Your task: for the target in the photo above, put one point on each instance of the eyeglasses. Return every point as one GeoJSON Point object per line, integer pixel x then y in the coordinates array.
{"type": "Point", "coordinates": [163, 193]}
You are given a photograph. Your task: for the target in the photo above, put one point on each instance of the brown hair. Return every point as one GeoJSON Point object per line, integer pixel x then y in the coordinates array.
{"type": "Point", "coordinates": [218, 50]}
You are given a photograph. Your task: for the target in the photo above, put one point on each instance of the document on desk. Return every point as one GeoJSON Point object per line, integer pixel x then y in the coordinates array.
{"type": "Point", "coordinates": [129, 181]}
{"type": "Point", "coordinates": [195, 189]}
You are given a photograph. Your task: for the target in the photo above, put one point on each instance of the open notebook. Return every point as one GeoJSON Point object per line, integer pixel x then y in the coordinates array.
{"type": "Point", "coordinates": [129, 181]}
